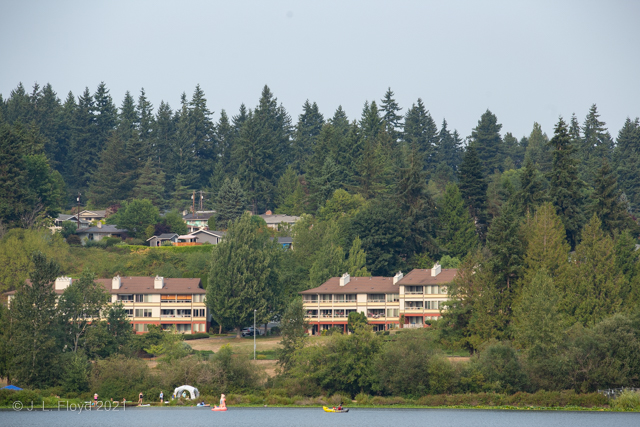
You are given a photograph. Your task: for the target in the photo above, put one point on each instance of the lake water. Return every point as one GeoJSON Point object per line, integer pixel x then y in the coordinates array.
{"type": "Point", "coordinates": [313, 417]}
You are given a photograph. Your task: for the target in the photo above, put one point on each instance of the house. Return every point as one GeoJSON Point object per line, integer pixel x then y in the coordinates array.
{"type": "Point", "coordinates": [198, 220]}
{"type": "Point", "coordinates": [99, 232]}
{"type": "Point", "coordinates": [164, 237]}
{"type": "Point", "coordinates": [71, 218]}
{"type": "Point", "coordinates": [169, 303]}
{"type": "Point", "coordinates": [208, 236]}
{"type": "Point", "coordinates": [386, 301]}
{"type": "Point", "coordinates": [286, 242]}
{"type": "Point", "coordinates": [275, 220]}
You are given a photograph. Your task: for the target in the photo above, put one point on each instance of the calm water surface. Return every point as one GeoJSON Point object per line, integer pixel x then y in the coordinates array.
{"type": "Point", "coordinates": [314, 417]}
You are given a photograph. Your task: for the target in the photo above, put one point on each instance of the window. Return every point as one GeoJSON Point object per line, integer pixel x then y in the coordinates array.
{"type": "Point", "coordinates": [392, 312]}
{"type": "Point", "coordinates": [432, 305]}
{"type": "Point", "coordinates": [167, 313]}
{"type": "Point", "coordinates": [416, 290]}
{"type": "Point", "coordinates": [125, 297]}
{"type": "Point", "coordinates": [199, 312]}
{"type": "Point", "coordinates": [183, 313]}
{"type": "Point", "coordinates": [325, 298]}
{"type": "Point", "coordinates": [143, 312]}
{"type": "Point", "coordinates": [198, 298]}
{"type": "Point", "coordinates": [183, 327]}
{"type": "Point", "coordinates": [350, 298]}
{"type": "Point", "coordinates": [393, 297]}
{"type": "Point", "coordinates": [349, 311]}
{"type": "Point", "coordinates": [338, 313]}
{"type": "Point", "coordinates": [375, 297]}
{"type": "Point", "coordinates": [433, 289]}
{"type": "Point", "coordinates": [142, 327]}
{"type": "Point", "coordinates": [129, 312]}
{"type": "Point", "coordinates": [338, 298]}
{"type": "Point", "coordinates": [326, 313]}
{"type": "Point", "coordinates": [143, 298]}
{"type": "Point", "coordinates": [310, 298]}
{"type": "Point", "coordinates": [375, 313]}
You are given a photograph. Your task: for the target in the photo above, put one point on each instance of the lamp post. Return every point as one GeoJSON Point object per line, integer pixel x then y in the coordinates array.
{"type": "Point", "coordinates": [254, 334]}
{"type": "Point", "coordinates": [78, 213]}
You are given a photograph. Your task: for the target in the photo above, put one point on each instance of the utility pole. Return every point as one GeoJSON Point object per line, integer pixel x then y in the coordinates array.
{"type": "Point", "coordinates": [193, 202]}
{"type": "Point", "coordinates": [254, 334]}
{"type": "Point", "coordinates": [201, 197]}
{"type": "Point", "coordinates": [78, 213]}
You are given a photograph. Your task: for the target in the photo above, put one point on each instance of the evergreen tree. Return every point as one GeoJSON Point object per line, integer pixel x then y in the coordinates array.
{"type": "Point", "coordinates": [106, 116]}
{"type": "Point", "coordinates": [164, 132]}
{"type": "Point", "coordinates": [547, 247]}
{"type": "Point", "coordinates": [356, 262]}
{"type": "Point", "coordinates": [421, 132]}
{"type": "Point", "coordinates": [371, 123]}
{"type": "Point", "coordinates": [449, 149]}
{"type": "Point", "coordinates": [36, 349]}
{"type": "Point", "coordinates": [243, 270]}
{"type": "Point", "coordinates": [506, 243]}
{"type": "Point", "coordinates": [596, 145]}
{"type": "Point", "coordinates": [416, 208]}
{"type": "Point", "coordinates": [487, 141]}
{"type": "Point", "coordinates": [532, 191]}
{"type": "Point", "coordinates": [112, 180]}
{"type": "Point", "coordinates": [150, 184]}
{"type": "Point", "coordinates": [594, 289]}
{"type": "Point", "coordinates": [514, 151]}
{"type": "Point", "coordinates": [83, 145]}
{"type": "Point", "coordinates": [18, 106]}
{"type": "Point", "coordinates": [538, 149]}
{"type": "Point", "coordinates": [391, 116]}
{"type": "Point", "coordinates": [564, 184]}
{"type": "Point", "coordinates": [128, 119]}
{"type": "Point", "coordinates": [457, 231]}
{"type": "Point", "coordinates": [144, 111]}
{"type": "Point", "coordinates": [230, 203]}
{"type": "Point", "coordinates": [473, 188]}
{"type": "Point", "coordinates": [627, 162]}
{"type": "Point", "coordinates": [181, 196]}
{"type": "Point", "coordinates": [66, 135]}
{"type": "Point", "coordinates": [293, 329]}
{"type": "Point", "coordinates": [200, 134]}
{"type": "Point", "coordinates": [306, 134]}
{"type": "Point", "coordinates": [606, 200]}
{"type": "Point", "coordinates": [48, 118]}
{"type": "Point", "coordinates": [225, 136]}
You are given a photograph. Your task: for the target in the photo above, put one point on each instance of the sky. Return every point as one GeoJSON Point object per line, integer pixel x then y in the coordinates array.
{"type": "Point", "coordinates": [526, 61]}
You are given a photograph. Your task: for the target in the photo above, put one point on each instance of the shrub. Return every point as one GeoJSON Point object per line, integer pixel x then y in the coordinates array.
{"type": "Point", "coordinates": [627, 401]}
{"type": "Point", "coordinates": [362, 399]}
{"type": "Point", "coordinates": [197, 336]}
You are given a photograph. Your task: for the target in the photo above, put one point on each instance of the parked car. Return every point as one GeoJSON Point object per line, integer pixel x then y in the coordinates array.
{"type": "Point", "coordinates": [248, 332]}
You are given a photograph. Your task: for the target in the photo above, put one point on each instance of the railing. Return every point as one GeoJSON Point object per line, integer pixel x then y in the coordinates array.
{"type": "Point", "coordinates": [376, 316]}
{"type": "Point", "coordinates": [612, 393]}
{"type": "Point", "coordinates": [176, 301]}
{"type": "Point", "coordinates": [414, 292]}
{"type": "Point", "coordinates": [311, 316]}
{"type": "Point", "coordinates": [413, 308]}
{"type": "Point", "coordinates": [413, 325]}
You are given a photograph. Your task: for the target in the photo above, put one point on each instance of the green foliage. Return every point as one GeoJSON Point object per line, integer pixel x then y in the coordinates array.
{"type": "Point", "coordinates": [485, 138]}
{"type": "Point", "coordinates": [170, 346]}
{"type": "Point", "coordinates": [136, 216]}
{"type": "Point", "coordinates": [173, 220]}
{"type": "Point", "coordinates": [606, 200]}
{"type": "Point", "coordinates": [457, 231]}
{"type": "Point", "coordinates": [76, 373]}
{"type": "Point", "coordinates": [473, 189]}
{"type": "Point", "coordinates": [628, 400]}
{"type": "Point", "coordinates": [293, 331]}
{"type": "Point", "coordinates": [230, 204]}
{"type": "Point", "coordinates": [356, 320]}
{"type": "Point", "coordinates": [150, 184]}
{"type": "Point", "coordinates": [449, 262]}
{"type": "Point", "coordinates": [501, 369]}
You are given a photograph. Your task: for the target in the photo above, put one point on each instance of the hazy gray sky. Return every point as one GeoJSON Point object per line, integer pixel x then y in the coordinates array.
{"type": "Point", "coordinates": [524, 60]}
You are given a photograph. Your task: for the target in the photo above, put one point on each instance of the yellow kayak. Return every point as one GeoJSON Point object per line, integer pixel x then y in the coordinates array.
{"type": "Point", "coordinates": [326, 409]}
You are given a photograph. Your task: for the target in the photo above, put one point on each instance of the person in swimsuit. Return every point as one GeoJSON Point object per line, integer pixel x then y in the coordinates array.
{"type": "Point", "coordinates": [223, 401]}
{"type": "Point", "coordinates": [95, 398]}
{"type": "Point", "coordinates": [140, 396]}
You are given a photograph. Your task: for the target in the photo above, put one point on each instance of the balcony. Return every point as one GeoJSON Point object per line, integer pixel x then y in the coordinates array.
{"type": "Point", "coordinates": [413, 325]}
{"type": "Point", "coordinates": [414, 308]}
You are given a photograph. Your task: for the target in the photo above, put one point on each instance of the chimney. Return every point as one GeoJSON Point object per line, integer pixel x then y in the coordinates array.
{"type": "Point", "coordinates": [62, 283]}
{"type": "Point", "coordinates": [116, 282]}
{"type": "Point", "coordinates": [268, 213]}
{"type": "Point", "coordinates": [158, 282]}
{"type": "Point", "coordinates": [397, 277]}
{"type": "Point", "coordinates": [99, 224]}
{"type": "Point", "coordinates": [345, 279]}
{"type": "Point", "coordinates": [436, 269]}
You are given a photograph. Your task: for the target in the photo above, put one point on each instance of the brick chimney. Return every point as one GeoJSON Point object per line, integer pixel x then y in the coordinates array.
{"type": "Point", "coordinates": [158, 282]}
{"type": "Point", "coordinates": [345, 279]}
{"type": "Point", "coordinates": [62, 283]}
{"type": "Point", "coordinates": [116, 282]}
{"type": "Point", "coordinates": [397, 277]}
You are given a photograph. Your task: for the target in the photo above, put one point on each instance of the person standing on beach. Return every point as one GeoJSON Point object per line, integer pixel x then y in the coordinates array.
{"type": "Point", "coordinates": [95, 398]}
{"type": "Point", "coordinates": [140, 398]}
{"type": "Point", "coordinates": [161, 396]}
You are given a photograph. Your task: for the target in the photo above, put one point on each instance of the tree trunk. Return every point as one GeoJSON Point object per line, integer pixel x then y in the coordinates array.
{"type": "Point", "coordinates": [266, 325]}
{"type": "Point", "coordinates": [220, 330]}
{"type": "Point", "coordinates": [238, 332]}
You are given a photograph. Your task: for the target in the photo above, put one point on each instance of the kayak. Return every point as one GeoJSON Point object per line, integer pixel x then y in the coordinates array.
{"type": "Point", "coordinates": [217, 408]}
{"type": "Point", "coordinates": [203, 406]}
{"type": "Point", "coordinates": [334, 410]}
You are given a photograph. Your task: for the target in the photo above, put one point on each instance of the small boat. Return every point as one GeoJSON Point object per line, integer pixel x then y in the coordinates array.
{"type": "Point", "coordinates": [217, 408]}
{"type": "Point", "coordinates": [326, 409]}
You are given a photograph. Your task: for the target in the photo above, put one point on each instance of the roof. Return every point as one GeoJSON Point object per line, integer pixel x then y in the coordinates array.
{"type": "Point", "coordinates": [144, 285]}
{"type": "Point", "coordinates": [213, 233]}
{"type": "Point", "coordinates": [107, 228]}
{"type": "Point", "coordinates": [199, 215]}
{"type": "Point", "coordinates": [101, 213]}
{"type": "Point", "coordinates": [423, 277]}
{"type": "Point", "coordinates": [357, 285]}
{"type": "Point", "coordinates": [285, 240]}
{"type": "Point", "coordinates": [163, 236]}
{"type": "Point", "coordinates": [64, 217]}
{"type": "Point", "coordinates": [278, 218]}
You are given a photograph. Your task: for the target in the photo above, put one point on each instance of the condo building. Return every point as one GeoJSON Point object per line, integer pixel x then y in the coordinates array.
{"type": "Point", "coordinates": [169, 303]}
{"type": "Point", "coordinates": [388, 302]}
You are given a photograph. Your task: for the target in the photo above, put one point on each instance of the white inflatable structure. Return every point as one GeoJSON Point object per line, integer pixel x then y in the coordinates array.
{"type": "Point", "coordinates": [192, 391]}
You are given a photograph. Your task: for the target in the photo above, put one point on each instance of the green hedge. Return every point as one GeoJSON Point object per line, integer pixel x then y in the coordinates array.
{"type": "Point", "coordinates": [199, 335]}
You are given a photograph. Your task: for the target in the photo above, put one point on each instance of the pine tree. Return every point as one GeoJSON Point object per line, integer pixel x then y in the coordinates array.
{"type": "Point", "coordinates": [514, 151]}
{"type": "Point", "coordinates": [243, 270]}
{"type": "Point", "coordinates": [594, 289]}
{"type": "Point", "coordinates": [449, 148]}
{"type": "Point", "coordinates": [473, 188]}
{"type": "Point", "coordinates": [564, 184]}
{"type": "Point", "coordinates": [416, 208]}
{"type": "Point", "coordinates": [225, 138]}
{"type": "Point", "coordinates": [355, 264]}
{"type": "Point", "coordinates": [128, 119]}
{"type": "Point", "coordinates": [201, 135]}
{"type": "Point", "coordinates": [391, 118]}
{"type": "Point", "coordinates": [83, 145]}
{"type": "Point", "coordinates": [596, 145]}
{"type": "Point", "coordinates": [164, 132]}
{"type": "Point", "coordinates": [506, 243]}
{"type": "Point", "coordinates": [487, 141]}
{"type": "Point", "coordinates": [627, 162]}
{"type": "Point", "coordinates": [112, 181]}
{"type": "Point", "coordinates": [306, 134]}
{"type": "Point", "coordinates": [538, 149]}
{"type": "Point", "coordinates": [36, 349]}
{"type": "Point", "coordinates": [144, 111]}
{"type": "Point", "coordinates": [150, 184]}
{"type": "Point", "coordinates": [18, 106]}
{"type": "Point", "coordinates": [547, 246]}
{"type": "Point", "coordinates": [606, 200]}
{"type": "Point", "coordinates": [420, 131]}
{"type": "Point", "coordinates": [371, 123]}
{"type": "Point", "coordinates": [230, 203]}
{"type": "Point", "coordinates": [182, 159]}
{"type": "Point", "coordinates": [48, 118]}
{"type": "Point", "coordinates": [532, 191]}
{"type": "Point", "coordinates": [457, 231]}
{"type": "Point", "coordinates": [181, 195]}
{"type": "Point", "coordinates": [105, 116]}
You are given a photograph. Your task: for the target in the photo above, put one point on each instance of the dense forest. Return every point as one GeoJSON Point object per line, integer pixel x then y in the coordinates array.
{"type": "Point", "coordinates": [543, 229]}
